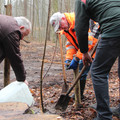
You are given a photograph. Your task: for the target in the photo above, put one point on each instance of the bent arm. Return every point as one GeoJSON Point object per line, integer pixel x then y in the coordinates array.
{"type": "Point", "coordinates": [11, 46]}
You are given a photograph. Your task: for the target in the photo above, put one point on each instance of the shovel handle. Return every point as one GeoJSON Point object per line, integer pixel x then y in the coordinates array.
{"type": "Point", "coordinates": [83, 69]}
{"type": "Point", "coordinates": [62, 61]}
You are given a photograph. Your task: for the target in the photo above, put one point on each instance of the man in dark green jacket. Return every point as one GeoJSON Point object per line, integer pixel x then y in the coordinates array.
{"type": "Point", "coordinates": [107, 14]}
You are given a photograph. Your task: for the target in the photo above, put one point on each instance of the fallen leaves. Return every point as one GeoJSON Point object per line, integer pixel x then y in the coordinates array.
{"type": "Point", "coordinates": [52, 84]}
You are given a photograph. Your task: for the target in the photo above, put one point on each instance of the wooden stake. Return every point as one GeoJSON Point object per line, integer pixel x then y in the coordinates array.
{"type": "Point", "coordinates": [6, 62]}
{"type": "Point", "coordinates": [77, 89]}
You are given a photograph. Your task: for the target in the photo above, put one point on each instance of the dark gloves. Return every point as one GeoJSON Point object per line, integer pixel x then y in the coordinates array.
{"type": "Point", "coordinates": [72, 64]}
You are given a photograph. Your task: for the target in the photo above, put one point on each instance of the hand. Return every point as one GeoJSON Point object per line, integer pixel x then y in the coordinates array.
{"type": "Point", "coordinates": [86, 59]}
{"type": "Point", "coordinates": [67, 64]}
{"type": "Point", "coordinates": [26, 82]}
{"type": "Point", "coordinates": [74, 64]}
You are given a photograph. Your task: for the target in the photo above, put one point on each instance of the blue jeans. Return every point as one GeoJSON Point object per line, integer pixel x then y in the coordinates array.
{"type": "Point", "coordinates": [85, 73]}
{"type": "Point", "coordinates": [83, 76]}
{"type": "Point", "coordinates": [107, 52]}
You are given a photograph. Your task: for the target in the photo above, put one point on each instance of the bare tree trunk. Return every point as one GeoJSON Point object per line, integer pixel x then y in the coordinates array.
{"type": "Point", "coordinates": [48, 37]}
{"type": "Point", "coordinates": [60, 5]}
{"type": "Point", "coordinates": [25, 8]}
{"type": "Point", "coordinates": [41, 72]}
{"type": "Point", "coordinates": [6, 62]}
{"type": "Point", "coordinates": [67, 5]}
{"type": "Point", "coordinates": [33, 18]}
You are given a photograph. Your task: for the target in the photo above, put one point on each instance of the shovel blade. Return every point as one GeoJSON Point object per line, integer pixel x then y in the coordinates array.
{"type": "Point", "coordinates": [65, 88]}
{"type": "Point", "coordinates": [62, 102]}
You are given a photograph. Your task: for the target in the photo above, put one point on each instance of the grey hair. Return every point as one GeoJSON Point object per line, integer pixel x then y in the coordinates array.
{"type": "Point", "coordinates": [22, 21]}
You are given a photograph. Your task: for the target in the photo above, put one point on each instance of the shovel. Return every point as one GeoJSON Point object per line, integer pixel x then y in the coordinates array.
{"type": "Point", "coordinates": [65, 98]}
{"type": "Point", "coordinates": [65, 87]}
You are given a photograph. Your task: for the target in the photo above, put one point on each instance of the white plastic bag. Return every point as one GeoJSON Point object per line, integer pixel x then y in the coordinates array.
{"type": "Point", "coordinates": [16, 92]}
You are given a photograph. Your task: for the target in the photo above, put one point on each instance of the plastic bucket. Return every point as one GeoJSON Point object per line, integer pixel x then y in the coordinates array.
{"type": "Point", "coordinates": [17, 92]}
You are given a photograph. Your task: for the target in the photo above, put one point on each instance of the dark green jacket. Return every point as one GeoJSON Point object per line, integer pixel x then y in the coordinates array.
{"type": "Point", "coordinates": [105, 12]}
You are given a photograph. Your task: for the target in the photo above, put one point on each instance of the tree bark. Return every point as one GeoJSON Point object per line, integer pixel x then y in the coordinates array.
{"type": "Point", "coordinates": [6, 62]}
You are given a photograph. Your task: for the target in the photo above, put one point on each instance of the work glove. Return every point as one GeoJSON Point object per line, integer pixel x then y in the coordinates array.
{"type": "Point", "coordinates": [74, 64]}
{"type": "Point", "coordinates": [67, 64]}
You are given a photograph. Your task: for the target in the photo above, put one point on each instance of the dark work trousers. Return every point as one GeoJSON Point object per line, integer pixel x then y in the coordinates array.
{"type": "Point", "coordinates": [2, 54]}
{"type": "Point", "coordinates": [119, 67]}
{"type": "Point", "coordinates": [119, 80]}
{"type": "Point", "coordinates": [107, 52]}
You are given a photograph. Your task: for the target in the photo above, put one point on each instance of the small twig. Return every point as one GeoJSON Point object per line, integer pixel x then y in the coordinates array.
{"type": "Point", "coordinates": [26, 41]}
{"type": "Point", "coordinates": [51, 61]}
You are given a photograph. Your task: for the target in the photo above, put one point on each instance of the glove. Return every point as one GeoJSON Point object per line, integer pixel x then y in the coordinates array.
{"type": "Point", "coordinates": [67, 64]}
{"type": "Point", "coordinates": [74, 64]}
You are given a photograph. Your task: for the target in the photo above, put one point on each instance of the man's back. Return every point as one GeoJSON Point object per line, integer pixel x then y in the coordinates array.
{"type": "Point", "coordinates": [7, 25]}
{"type": "Point", "coordinates": [106, 12]}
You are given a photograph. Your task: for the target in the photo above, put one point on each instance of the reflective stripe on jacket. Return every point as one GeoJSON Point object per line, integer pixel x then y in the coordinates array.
{"type": "Point", "coordinates": [72, 43]}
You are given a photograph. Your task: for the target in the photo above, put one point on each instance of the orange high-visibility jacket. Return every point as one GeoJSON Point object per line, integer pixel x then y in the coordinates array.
{"type": "Point", "coordinates": [72, 43]}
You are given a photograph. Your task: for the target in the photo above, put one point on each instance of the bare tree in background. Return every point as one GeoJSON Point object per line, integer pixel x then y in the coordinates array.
{"type": "Point", "coordinates": [33, 17]}
{"type": "Point", "coordinates": [37, 12]}
{"type": "Point", "coordinates": [25, 8]}
{"type": "Point", "coordinates": [42, 66]}
{"type": "Point", "coordinates": [6, 61]}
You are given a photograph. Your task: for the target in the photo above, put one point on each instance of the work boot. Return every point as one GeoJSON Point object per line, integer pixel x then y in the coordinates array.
{"type": "Point", "coordinates": [116, 111]}
{"type": "Point", "coordinates": [82, 87]}
{"type": "Point", "coordinates": [97, 118]}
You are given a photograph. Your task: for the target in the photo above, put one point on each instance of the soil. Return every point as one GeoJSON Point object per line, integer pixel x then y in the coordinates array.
{"type": "Point", "coordinates": [32, 54]}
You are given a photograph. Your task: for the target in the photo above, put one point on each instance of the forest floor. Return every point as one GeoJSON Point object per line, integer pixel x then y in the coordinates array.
{"type": "Point", "coordinates": [32, 54]}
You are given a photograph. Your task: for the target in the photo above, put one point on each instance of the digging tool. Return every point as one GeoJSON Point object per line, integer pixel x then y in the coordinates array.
{"type": "Point", "coordinates": [65, 98]}
{"type": "Point", "coordinates": [65, 87]}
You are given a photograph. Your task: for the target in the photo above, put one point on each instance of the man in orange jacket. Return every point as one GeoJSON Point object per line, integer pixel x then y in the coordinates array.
{"type": "Point", "coordinates": [65, 22]}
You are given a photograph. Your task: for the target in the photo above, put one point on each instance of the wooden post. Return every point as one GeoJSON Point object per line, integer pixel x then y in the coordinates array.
{"type": "Point", "coordinates": [6, 62]}
{"type": "Point", "coordinates": [77, 89]}
{"type": "Point", "coordinates": [6, 72]}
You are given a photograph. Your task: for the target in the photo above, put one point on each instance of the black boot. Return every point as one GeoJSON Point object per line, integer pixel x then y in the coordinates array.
{"type": "Point", "coordinates": [82, 87]}
{"type": "Point", "coordinates": [116, 111]}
